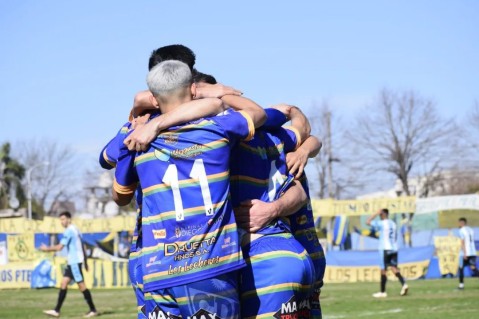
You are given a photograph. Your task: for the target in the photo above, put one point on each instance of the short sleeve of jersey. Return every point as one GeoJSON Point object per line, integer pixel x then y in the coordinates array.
{"type": "Point", "coordinates": [377, 224]}
{"type": "Point", "coordinates": [67, 237]}
{"type": "Point", "coordinates": [461, 234]}
{"type": "Point", "coordinates": [290, 138]}
{"type": "Point", "coordinates": [110, 153]}
{"type": "Point", "coordinates": [236, 125]}
{"type": "Point", "coordinates": [274, 119]}
{"type": "Point", "coordinates": [126, 178]}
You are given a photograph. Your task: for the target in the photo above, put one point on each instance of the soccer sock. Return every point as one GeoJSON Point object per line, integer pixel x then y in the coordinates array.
{"type": "Point", "coordinates": [89, 299]}
{"type": "Point", "coordinates": [61, 297]}
{"type": "Point", "coordinates": [383, 283]}
{"type": "Point", "coordinates": [401, 279]}
{"type": "Point", "coordinates": [461, 275]}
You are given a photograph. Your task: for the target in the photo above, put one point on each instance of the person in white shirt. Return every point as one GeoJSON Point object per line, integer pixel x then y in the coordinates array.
{"type": "Point", "coordinates": [388, 249]}
{"type": "Point", "coordinates": [467, 255]}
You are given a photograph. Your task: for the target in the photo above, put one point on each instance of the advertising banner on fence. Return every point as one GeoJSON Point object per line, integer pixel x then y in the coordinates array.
{"type": "Point", "coordinates": [330, 207]}
{"type": "Point", "coordinates": [52, 225]}
{"type": "Point", "coordinates": [21, 247]}
{"type": "Point", "coordinates": [363, 266]}
{"type": "Point", "coordinates": [43, 273]}
{"type": "Point", "coordinates": [16, 275]}
{"type": "Point", "coordinates": [447, 249]}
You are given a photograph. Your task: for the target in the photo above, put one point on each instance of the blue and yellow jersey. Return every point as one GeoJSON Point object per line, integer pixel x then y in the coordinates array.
{"type": "Point", "coordinates": [302, 227]}
{"type": "Point", "coordinates": [109, 154]}
{"type": "Point", "coordinates": [258, 169]}
{"type": "Point", "coordinates": [189, 230]}
{"type": "Point", "coordinates": [108, 158]}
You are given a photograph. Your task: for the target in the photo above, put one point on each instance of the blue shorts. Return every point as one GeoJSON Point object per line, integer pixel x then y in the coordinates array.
{"type": "Point", "coordinates": [136, 277]}
{"type": "Point", "coordinates": [278, 279]}
{"type": "Point", "coordinates": [74, 272]}
{"type": "Point", "coordinates": [216, 297]}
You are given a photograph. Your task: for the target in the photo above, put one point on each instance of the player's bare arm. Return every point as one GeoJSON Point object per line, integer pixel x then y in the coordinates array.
{"type": "Point", "coordinates": [240, 103]}
{"type": "Point", "coordinates": [298, 119]}
{"type": "Point", "coordinates": [121, 199]}
{"type": "Point", "coordinates": [45, 248]}
{"type": "Point", "coordinates": [297, 160]}
{"type": "Point", "coordinates": [371, 218]}
{"type": "Point", "coordinates": [142, 137]}
{"type": "Point", "coordinates": [144, 100]}
{"type": "Point", "coordinates": [254, 214]}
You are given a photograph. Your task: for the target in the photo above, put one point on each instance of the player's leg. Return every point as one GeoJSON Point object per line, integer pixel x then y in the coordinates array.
{"type": "Point", "coordinates": [277, 281]}
{"type": "Point", "coordinates": [136, 277]}
{"type": "Point", "coordinates": [392, 261]}
{"type": "Point", "coordinates": [78, 278]}
{"type": "Point", "coordinates": [461, 273]}
{"type": "Point", "coordinates": [320, 267]}
{"type": "Point", "coordinates": [67, 277]}
{"type": "Point", "coordinates": [383, 265]}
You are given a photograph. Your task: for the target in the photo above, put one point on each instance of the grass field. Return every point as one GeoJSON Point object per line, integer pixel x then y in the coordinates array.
{"type": "Point", "coordinates": [427, 299]}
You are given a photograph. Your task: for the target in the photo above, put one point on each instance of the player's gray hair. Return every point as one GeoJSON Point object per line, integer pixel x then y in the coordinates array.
{"type": "Point", "coordinates": [168, 76]}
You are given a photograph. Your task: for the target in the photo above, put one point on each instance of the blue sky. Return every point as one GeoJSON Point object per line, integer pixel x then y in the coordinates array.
{"type": "Point", "coordinates": [69, 69]}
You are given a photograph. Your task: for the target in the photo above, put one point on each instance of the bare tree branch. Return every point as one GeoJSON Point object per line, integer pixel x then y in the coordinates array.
{"type": "Point", "coordinates": [403, 134]}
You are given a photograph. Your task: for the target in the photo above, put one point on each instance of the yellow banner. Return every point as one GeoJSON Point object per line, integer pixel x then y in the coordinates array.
{"type": "Point", "coordinates": [101, 273]}
{"type": "Point", "coordinates": [341, 274]}
{"type": "Point", "coordinates": [52, 225]}
{"type": "Point", "coordinates": [16, 275]}
{"type": "Point", "coordinates": [447, 249]}
{"type": "Point", "coordinates": [330, 207]}
{"type": "Point", "coordinates": [21, 247]}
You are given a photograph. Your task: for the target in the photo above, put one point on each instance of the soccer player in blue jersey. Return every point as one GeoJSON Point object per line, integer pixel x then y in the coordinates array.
{"type": "Point", "coordinates": [260, 295]}
{"type": "Point", "coordinates": [190, 243]}
{"type": "Point", "coordinates": [467, 255]}
{"type": "Point", "coordinates": [388, 250]}
{"type": "Point", "coordinates": [72, 240]}
{"type": "Point", "coordinates": [143, 106]}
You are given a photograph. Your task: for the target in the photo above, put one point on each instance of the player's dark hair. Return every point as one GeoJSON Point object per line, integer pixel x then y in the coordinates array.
{"type": "Point", "coordinates": [203, 77]}
{"type": "Point", "coordinates": [66, 214]}
{"type": "Point", "coordinates": [463, 219]}
{"type": "Point", "coordinates": [385, 211]}
{"type": "Point", "coordinates": [172, 52]}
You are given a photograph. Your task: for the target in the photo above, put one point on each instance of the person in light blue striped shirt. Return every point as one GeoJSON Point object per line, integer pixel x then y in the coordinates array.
{"type": "Point", "coordinates": [72, 240]}
{"type": "Point", "coordinates": [467, 254]}
{"type": "Point", "coordinates": [388, 249]}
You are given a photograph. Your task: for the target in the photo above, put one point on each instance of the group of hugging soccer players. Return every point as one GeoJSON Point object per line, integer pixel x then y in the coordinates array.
{"type": "Point", "coordinates": [225, 227]}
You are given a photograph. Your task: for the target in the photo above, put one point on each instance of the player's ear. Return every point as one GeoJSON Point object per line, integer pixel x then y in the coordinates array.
{"type": "Point", "coordinates": [193, 90]}
{"type": "Point", "coordinates": [153, 100]}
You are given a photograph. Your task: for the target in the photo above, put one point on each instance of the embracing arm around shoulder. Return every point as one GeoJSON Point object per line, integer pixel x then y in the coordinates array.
{"type": "Point", "coordinates": [254, 214]}
{"type": "Point", "coordinates": [297, 160]}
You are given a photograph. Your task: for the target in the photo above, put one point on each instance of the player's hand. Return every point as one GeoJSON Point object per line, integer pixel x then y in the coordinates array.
{"type": "Point", "coordinates": [296, 161]}
{"type": "Point", "coordinates": [140, 138]}
{"type": "Point", "coordinates": [140, 121]}
{"type": "Point", "coordinates": [283, 108]}
{"type": "Point", "coordinates": [254, 214]}
{"type": "Point", "coordinates": [204, 90]}
{"type": "Point", "coordinates": [43, 247]}
{"type": "Point", "coordinates": [86, 265]}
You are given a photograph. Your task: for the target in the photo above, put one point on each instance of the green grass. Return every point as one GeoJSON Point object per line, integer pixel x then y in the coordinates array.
{"type": "Point", "coordinates": [427, 299]}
